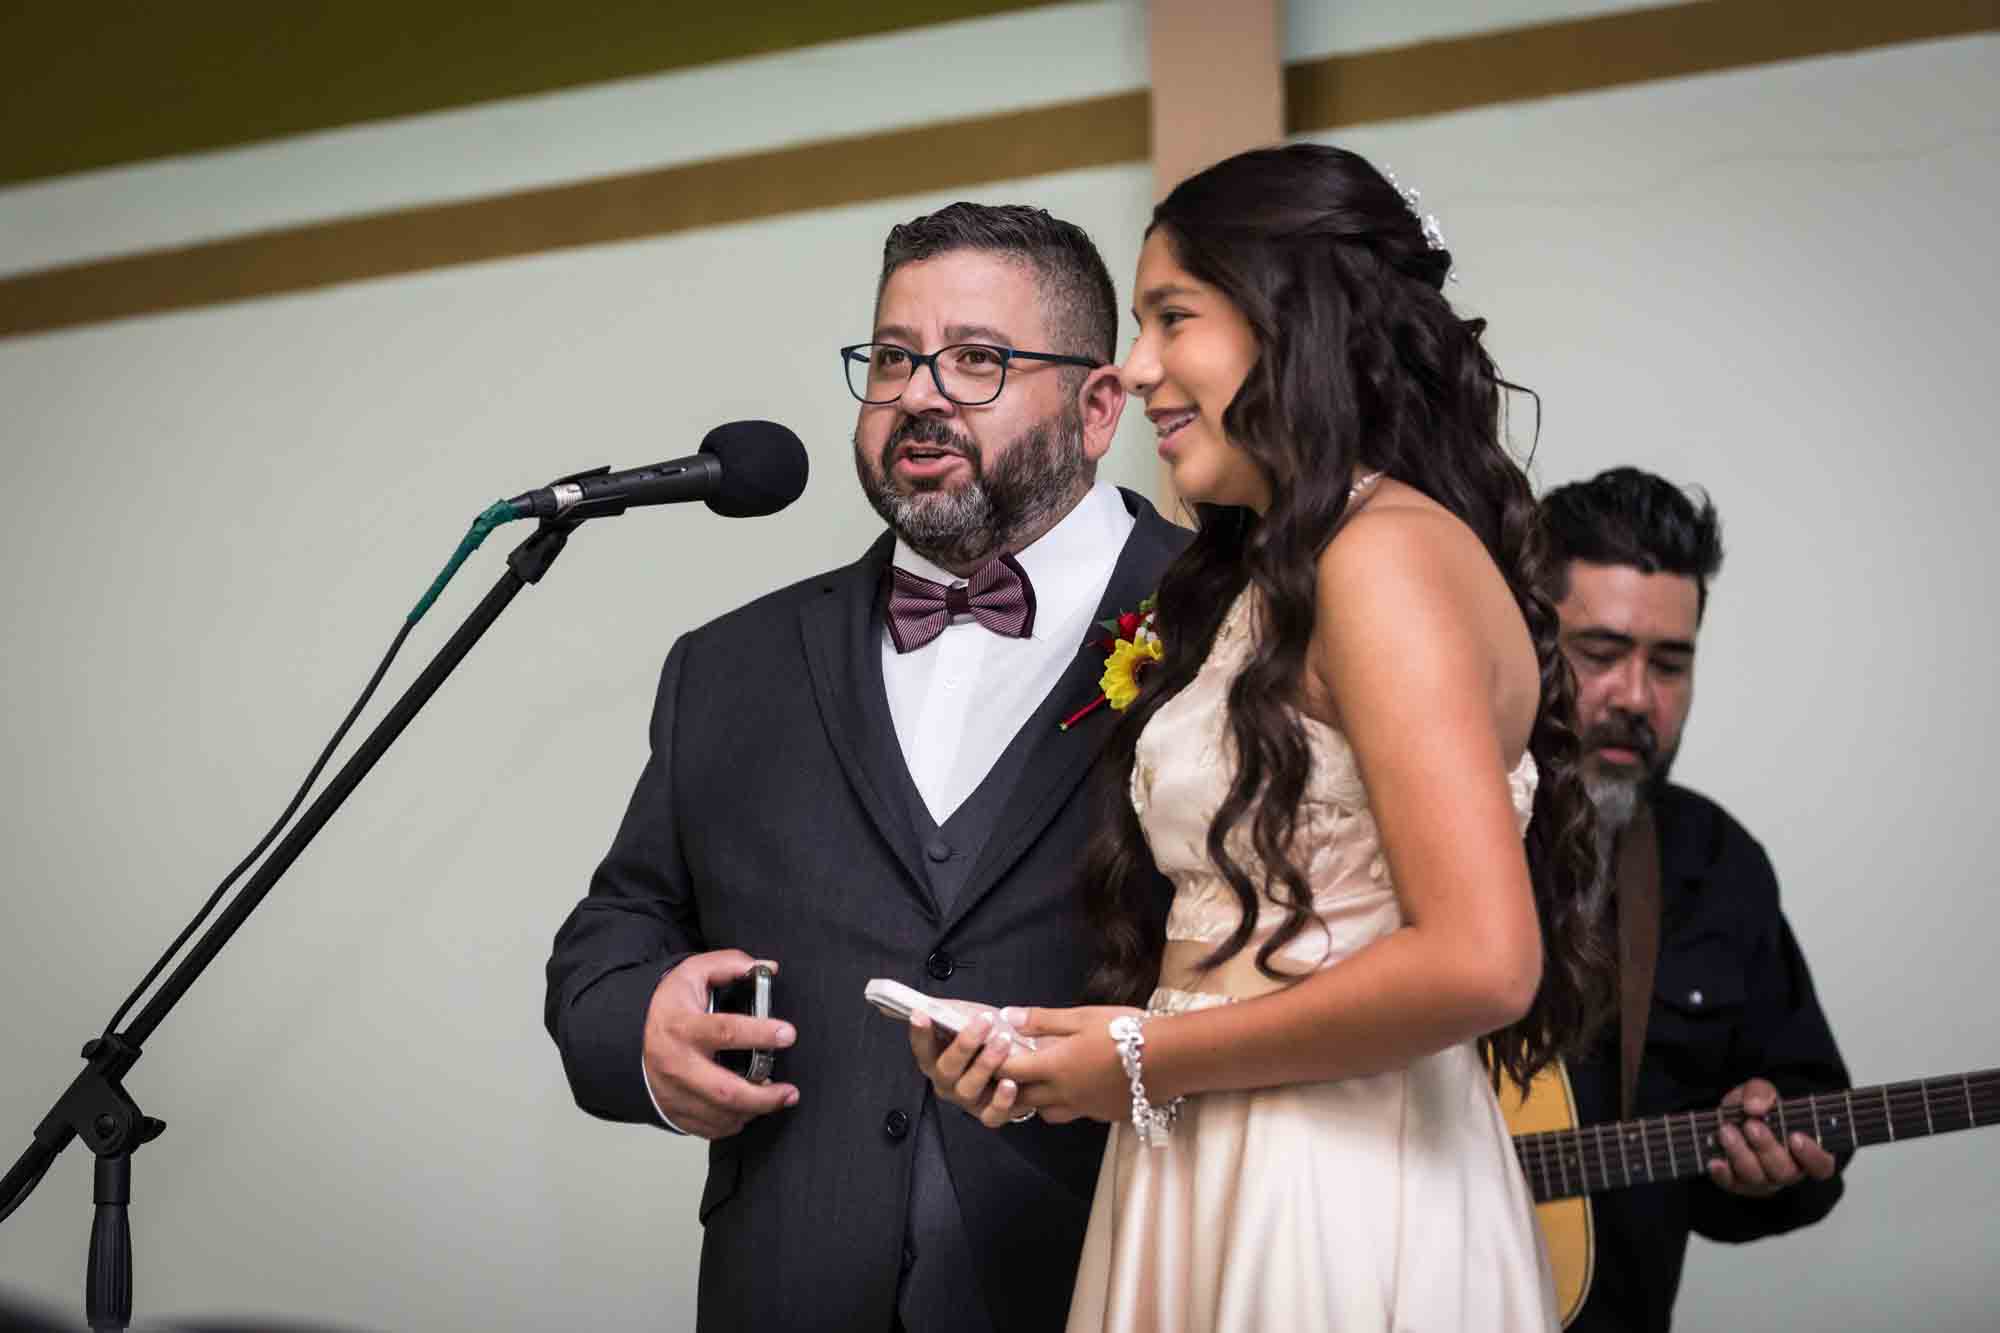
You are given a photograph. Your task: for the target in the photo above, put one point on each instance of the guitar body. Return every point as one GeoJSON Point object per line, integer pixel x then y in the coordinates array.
{"type": "Point", "coordinates": [1566, 1225]}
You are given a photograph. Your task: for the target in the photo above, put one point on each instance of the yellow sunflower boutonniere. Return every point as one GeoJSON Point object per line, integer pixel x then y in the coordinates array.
{"type": "Point", "coordinates": [1131, 647]}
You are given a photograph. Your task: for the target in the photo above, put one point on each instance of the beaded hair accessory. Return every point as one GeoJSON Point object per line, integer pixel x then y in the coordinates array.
{"type": "Point", "coordinates": [1433, 234]}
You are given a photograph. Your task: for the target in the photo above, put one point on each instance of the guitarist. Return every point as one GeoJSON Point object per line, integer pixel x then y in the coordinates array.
{"type": "Point", "coordinates": [1691, 902]}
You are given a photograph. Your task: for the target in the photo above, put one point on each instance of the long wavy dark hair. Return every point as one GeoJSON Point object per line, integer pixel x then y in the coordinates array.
{"type": "Point", "coordinates": [1363, 365]}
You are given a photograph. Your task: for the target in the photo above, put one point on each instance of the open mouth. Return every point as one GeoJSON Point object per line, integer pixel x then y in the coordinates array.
{"type": "Point", "coordinates": [1622, 751]}
{"type": "Point", "coordinates": [926, 463]}
{"type": "Point", "coordinates": [1170, 424]}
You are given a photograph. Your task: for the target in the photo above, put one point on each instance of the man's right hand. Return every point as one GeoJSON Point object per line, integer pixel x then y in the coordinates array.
{"type": "Point", "coordinates": [682, 1037]}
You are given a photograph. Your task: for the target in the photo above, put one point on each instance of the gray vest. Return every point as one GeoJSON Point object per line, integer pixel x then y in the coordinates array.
{"type": "Point", "coordinates": [937, 1260]}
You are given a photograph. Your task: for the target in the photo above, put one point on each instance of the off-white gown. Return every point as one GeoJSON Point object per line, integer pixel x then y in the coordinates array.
{"type": "Point", "coordinates": [1391, 1202]}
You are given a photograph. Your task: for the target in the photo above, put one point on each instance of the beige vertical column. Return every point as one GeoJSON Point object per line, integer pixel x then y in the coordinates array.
{"type": "Point", "coordinates": [1218, 88]}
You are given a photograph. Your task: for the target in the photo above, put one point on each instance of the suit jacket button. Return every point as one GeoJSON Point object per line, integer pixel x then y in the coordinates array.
{"type": "Point", "coordinates": [938, 850]}
{"type": "Point", "coordinates": [896, 1124]}
{"type": "Point", "coordinates": [940, 965]}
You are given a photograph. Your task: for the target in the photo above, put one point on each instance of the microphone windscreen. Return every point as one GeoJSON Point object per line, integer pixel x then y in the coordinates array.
{"type": "Point", "coordinates": [763, 468]}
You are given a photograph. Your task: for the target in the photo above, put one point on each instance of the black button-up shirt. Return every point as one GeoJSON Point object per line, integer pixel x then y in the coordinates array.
{"type": "Point", "coordinates": [1732, 1001]}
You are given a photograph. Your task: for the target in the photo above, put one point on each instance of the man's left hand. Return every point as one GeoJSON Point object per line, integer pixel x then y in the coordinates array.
{"type": "Point", "coordinates": [1756, 1163]}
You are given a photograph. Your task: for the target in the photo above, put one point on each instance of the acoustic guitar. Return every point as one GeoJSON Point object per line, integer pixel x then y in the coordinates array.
{"type": "Point", "coordinates": [1565, 1162]}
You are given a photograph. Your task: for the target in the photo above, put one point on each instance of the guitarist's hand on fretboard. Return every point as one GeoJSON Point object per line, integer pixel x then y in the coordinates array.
{"type": "Point", "coordinates": [1756, 1161]}
{"type": "Point", "coordinates": [1564, 1161]}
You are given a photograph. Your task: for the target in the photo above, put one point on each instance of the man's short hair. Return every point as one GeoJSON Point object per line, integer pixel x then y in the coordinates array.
{"type": "Point", "coordinates": [1078, 302]}
{"type": "Point", "coordinates": [1628, 517]}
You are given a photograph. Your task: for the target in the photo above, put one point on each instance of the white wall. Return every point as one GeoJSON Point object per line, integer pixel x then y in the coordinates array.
{"type": "Point", "coordinates": [1769, 282]}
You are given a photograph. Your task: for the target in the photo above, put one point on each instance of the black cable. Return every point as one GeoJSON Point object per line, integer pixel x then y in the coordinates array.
{"type": "Point", "coordinates": [491, 518]}
{"type": "Point", "coordinates": [298, 799]}
{"type": "Point", "coordinates": [26, 1189]}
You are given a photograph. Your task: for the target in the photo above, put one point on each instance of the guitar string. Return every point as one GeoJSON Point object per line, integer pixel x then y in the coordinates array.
{"type": "Point", "coordinates": [1586, 1159]}
{"type": "Point", "coordinates": [1901, 1100]}
{"type": "Point", "coordinates": [1866, 1121]}
{"type": "Point", "coordinates": [1584, 1162]}
{"type": "Point", "coordinates": [1572, 1150]}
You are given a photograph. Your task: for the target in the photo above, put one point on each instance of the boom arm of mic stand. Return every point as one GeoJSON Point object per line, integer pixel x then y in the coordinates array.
{"type": "Point", "coordinates": [96, 1106]}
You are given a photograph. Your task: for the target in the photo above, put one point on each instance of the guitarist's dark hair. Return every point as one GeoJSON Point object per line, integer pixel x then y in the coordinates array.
{"type": "Point", "coordinates": [1624, 516]}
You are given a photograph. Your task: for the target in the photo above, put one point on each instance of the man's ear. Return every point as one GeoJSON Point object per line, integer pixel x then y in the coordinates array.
{"type": "Point", "coordinates": [1100, 401]}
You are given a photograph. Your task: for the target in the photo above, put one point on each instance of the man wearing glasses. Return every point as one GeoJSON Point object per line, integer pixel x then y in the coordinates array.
{"type": "Point", "coordinates": [863, 776]}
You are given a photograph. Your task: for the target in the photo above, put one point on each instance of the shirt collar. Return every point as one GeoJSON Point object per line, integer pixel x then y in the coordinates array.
{"type": "Point", "coordinates": [1067, 564]}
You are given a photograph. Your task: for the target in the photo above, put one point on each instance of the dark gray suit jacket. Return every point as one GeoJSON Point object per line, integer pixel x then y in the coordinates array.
{"type": "Point", "coordinates": [770, 818]}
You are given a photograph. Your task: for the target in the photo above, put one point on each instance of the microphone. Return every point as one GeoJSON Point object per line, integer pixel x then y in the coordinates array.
{"type": "Point", "coordinates": [745, 469]}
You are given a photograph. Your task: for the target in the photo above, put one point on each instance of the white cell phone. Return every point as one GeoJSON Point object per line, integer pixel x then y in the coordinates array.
{"type": "Point", "coordinates": [948, 1016]}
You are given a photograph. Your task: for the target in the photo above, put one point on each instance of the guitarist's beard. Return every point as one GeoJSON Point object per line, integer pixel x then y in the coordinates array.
{"type": "Point", "coordinates": [1616, 801]}
{"type": "Point", "coordinates": [1616, 794]}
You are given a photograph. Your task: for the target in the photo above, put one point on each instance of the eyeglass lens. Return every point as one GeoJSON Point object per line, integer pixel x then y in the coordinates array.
{"type": "Point", "coordinates": [968, 373]}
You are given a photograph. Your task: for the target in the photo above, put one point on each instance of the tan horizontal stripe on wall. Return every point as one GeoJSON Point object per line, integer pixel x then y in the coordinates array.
{"type": "Point", "coordinates": [1608, 51]}
{"type": "Point", "coordinates": [121, 82]}
{"type": "Point", "coordinates": [1428, 79]}
{"type": "Point", "coordinates": [827, 174]}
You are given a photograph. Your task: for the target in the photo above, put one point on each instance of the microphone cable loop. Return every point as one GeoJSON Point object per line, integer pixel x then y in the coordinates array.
{"type": "Point", "coordinates": [491, 517]}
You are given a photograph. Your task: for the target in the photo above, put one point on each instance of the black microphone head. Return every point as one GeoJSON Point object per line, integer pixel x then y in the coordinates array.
{"type": "Point", "coordinates": [763, 468]}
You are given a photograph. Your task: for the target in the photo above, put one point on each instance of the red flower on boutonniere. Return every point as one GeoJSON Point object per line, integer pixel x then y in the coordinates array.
{"type": "Point", "coordinates": [1131, 647]}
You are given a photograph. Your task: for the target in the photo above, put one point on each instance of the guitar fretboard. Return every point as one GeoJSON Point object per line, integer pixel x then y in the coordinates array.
{"type": "Point", "coordinates": [1566, 1162]}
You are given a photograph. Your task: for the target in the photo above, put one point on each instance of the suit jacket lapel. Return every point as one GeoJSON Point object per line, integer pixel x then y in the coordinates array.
{"type": "Point", "coordinates": [1060, 759]}
{"type": "Point", "coordinates": [837, 629]}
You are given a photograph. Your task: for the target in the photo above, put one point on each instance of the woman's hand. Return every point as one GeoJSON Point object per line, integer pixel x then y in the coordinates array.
{"type": "Point", "coordinates": [961, 1069]}
{"type": "Point", "coordinates": [1074, 1070]}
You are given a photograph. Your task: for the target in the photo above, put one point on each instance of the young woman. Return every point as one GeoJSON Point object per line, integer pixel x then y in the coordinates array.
{"type": "Point", "coordinates": [1356, 765]}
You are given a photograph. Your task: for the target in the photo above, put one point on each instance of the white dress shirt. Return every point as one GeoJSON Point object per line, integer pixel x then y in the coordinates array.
{"type": "Point", "coordinates": [958, 701]}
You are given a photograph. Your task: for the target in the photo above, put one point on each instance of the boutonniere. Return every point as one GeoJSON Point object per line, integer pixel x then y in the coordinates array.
{"type": "Point", "coordinates": [1131, 647]}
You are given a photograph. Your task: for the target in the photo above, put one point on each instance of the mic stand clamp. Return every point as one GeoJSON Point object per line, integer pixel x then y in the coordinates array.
{"type": "Point", "coordinates": [97, 1109]}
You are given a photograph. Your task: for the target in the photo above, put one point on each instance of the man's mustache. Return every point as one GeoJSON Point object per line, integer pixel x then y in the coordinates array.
{"type": "Point", "coordinates": [927, 431]}
{"type": "Point", "coordinates": [1625, 733]}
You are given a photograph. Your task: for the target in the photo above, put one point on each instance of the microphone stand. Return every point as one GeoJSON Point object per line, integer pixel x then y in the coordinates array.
{"type": "Point", "coordinates": [96, 1108]}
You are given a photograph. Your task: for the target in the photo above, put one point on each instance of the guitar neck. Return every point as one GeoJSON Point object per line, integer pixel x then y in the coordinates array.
{"type": "Point", "coordinates": [1568, 1162]}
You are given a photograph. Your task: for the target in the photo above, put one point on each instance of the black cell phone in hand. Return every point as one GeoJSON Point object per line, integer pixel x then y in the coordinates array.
{"type": "Point", "coordinates": [749, 994]}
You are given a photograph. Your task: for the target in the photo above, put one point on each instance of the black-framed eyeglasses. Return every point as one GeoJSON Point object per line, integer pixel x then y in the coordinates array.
{"type": "Point", "coordinates": [969, 374]}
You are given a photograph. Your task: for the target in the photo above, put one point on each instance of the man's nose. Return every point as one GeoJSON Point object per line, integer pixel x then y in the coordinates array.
{"type": "Point", "coordinates": [923, 395]}
{"type": "Point", "coordinates": [1632, 688]}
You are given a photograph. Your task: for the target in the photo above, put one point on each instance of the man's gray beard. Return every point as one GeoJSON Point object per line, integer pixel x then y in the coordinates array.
{"type": "Point", "coordinates": [1036, 480]}
{"type": "Point", "coordinates": [1616, 800]}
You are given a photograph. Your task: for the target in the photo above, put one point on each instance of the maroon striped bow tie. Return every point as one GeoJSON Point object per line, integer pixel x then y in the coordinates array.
{"type": "Point", "coordinates": [998, 596]}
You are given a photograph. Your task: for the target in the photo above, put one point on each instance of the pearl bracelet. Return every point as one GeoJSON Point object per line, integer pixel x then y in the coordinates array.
{"type": "Point", "coordinates": [1151, 1123]}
